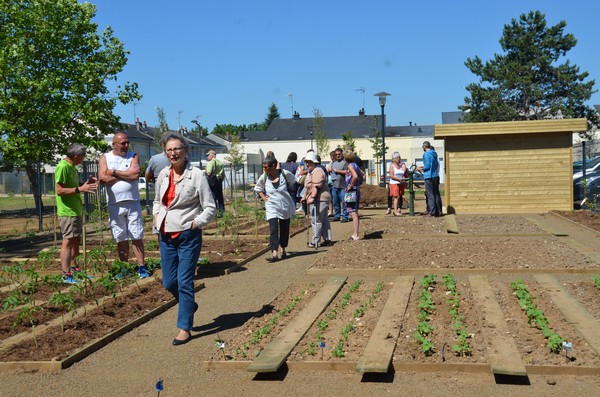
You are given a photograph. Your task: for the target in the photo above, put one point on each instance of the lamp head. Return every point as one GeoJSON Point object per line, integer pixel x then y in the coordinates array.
{"type": "Point", "coordinates": [382, 97]}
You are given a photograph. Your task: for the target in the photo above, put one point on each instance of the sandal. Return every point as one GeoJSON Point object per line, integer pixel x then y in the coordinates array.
{"type": "Point", "coordinates": [353, 238]}
{"type": "Point", "coordinates": [310, 245]}
{"type": "Point", "coordinates": [389, 211]}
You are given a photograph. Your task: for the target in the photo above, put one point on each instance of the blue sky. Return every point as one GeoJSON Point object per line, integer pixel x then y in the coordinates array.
{"type": "Point", "coordinates": [227, 61]}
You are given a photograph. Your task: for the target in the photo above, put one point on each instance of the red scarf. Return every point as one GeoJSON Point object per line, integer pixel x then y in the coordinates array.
{"type": "Point", "coordinates": [167, 200]}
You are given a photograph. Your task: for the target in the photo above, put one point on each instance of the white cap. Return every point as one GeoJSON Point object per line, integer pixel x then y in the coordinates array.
{"type": "Point", "coordinates": [311, 156]}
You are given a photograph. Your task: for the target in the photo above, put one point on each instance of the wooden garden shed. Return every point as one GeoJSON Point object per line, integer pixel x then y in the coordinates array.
{"type": "Point", "coordinates": [518, 166]}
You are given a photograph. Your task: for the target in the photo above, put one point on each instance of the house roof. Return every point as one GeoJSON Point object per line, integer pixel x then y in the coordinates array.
{"type": "Point", "coordinates": [145, 133]}
{"type": "Point", "coordinates": [360, 126]}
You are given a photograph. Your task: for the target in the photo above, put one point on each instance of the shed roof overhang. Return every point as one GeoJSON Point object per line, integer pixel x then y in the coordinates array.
{"type": "Point", "coordinates": [510, 127]}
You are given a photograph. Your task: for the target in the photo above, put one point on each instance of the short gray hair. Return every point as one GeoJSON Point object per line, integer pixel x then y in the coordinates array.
{"type": "Point", "coordinates": [395, 155]}
{"type": "Point", "coordinates": [174, 135]}
{"type": "Point", "coordinates": [75, 149]}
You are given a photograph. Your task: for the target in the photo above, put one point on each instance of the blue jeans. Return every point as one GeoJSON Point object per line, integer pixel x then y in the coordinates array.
{"type": "Point", "coordinates": [338, 203]}
{"type": "Point", "coordinates": [432, 193]}
{"type": "Point", "coordinates": [179, 257]}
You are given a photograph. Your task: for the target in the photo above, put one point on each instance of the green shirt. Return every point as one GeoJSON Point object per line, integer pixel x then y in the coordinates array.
{"type": "Point", "coordinates": [67, 175]}
{"type": "Point", "coordinates": [216, 167]}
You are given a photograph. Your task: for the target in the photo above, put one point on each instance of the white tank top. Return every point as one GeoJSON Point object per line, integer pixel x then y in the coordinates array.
{"type": "Point", "coordinates": [398, 173]}
{"type": "Point", "coordinates": [121, 190]}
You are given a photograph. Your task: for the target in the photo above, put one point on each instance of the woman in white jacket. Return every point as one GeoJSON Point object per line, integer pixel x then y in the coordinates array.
{"type": "Point", "coordinates": [273, 188]}
{"type": "Point", "coordinates": [183, 205]}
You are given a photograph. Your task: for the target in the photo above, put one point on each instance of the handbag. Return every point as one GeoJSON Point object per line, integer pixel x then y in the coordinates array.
{"type": "Point", "coordinates": [350, 197]}
{"type": "Point", "coordinates": [212, 180]}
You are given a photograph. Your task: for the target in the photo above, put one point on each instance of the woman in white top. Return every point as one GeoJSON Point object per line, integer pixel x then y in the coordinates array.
{"type": "Point", "coordinates": [273, 188]}
{"type": "Point", "coordinates": [397, 172]}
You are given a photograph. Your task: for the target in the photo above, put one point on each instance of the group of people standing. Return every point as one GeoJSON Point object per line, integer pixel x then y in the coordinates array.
{"type": "Point", "coordinates": [186, 201]}
{"type": "Point", "coordinates": [282, 185]}
{"type": "Point", "coordinates": [182, 206]}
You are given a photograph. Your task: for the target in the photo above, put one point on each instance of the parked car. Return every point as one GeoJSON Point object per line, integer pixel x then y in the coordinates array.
{"type": "Point", "coordinates": [142, 183]}
{"type": "Point", "coordinates": [592, 186]}
{"type": "Point", "coordinates": [591, 165]}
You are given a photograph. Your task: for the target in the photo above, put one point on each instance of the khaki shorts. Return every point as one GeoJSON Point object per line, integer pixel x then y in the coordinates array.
{"type": "Point", "coordinates": [71, 226]}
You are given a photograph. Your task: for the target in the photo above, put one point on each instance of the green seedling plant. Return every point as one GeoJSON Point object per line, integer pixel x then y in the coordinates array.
{"type": "Point", "coordinates": [462, 346]}
{"type": "Point", "coordinates": [536, 316]}
{"type": "Point", "coordinates": [28, 312]}
{"type": "Point", "coordinates": [97, 259]}
{"type": "Point", "coordinates": [64, 301]}
{"type": "Point", "coordinates": [426, 307]}
{"type": "Point", "coordinates": [596, 279]}
{"type": "Point", "coordinates": [153, 264]}
{"type": "Point", "coordinates": [332, 315]}
{"type": "Point", "coordinates": [262, 332]}
{"type": "Point", "coordinates": [338, 350]}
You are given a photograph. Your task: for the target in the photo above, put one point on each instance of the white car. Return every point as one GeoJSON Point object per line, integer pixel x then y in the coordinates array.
{"type": "Point", "coordinates": [141, 183]}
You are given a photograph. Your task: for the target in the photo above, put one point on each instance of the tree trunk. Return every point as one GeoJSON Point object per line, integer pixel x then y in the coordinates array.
{"type": "Point", "coordinates": [32, 174]}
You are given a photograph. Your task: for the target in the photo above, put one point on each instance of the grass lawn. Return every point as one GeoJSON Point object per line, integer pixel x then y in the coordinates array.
{"type": "Point", "coordinates": [23, 201]}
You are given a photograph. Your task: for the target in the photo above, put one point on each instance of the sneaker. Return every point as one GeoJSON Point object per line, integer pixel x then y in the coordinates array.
{"type": "Point", "coordinates": [143, 272]}
{"type": "Point", "coordinates": [68, 279]}
{"type": "Point", "coordinates": [121, 275]}
{"type": "Point", "coordinates": [75, 269]}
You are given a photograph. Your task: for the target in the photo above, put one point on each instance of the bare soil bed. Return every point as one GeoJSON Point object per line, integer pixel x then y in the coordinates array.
{"type": "Point", "coordinates": [585, 218]}
{"type": "Point", "coordinates": [452, 252]}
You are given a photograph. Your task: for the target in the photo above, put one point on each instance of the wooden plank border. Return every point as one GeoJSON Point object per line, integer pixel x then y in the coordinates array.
{"type": "Point", "coordinates": [275, 353]}
{"type": "Point", "coordinates": [573, 311]}
{"type": "Point", "coordinates": [379, 351]}
{"type": "Point", "coordinates": [503, 356]}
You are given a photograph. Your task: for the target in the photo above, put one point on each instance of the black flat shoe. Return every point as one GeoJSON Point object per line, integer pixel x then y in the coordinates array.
{"type": "Point", "coordinates": [272, 259]}
{"type": "Point", "coordinates": [195, 307]}
{"type": "Point", "coordinates": [284, 255]}
{"type": "Point", "coordinates": [179, 342]}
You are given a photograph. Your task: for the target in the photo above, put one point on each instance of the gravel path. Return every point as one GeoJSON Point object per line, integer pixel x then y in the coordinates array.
{"type": "Point", "coordinates": [132, 364]}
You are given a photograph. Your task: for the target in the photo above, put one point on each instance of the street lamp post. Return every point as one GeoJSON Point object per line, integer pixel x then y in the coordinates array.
{"type": "Point", "coordinates": [382, 97]}
{"type": "Point", "coordinates": [310, 129]}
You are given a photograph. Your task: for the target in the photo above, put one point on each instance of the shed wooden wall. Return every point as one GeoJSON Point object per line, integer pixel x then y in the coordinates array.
{"type": "Point", "coordinates": [509, 172]}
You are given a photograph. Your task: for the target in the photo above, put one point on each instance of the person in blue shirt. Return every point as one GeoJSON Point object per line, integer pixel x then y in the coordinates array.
{"type": "Point", "coordinates": [431, 174]}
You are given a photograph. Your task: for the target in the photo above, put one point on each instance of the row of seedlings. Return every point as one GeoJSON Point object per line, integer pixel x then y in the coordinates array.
{"type": "Point", "coordinates": [427, 308]}
{"type": "Point", "coordinates": [536, 316]}
{"type": "Point", "coordinates": [462, 346]}
{"type": "Point", "coordinates": [264, 331]}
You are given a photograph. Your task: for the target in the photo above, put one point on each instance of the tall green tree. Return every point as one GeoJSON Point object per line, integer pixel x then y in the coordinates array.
{"type": "Point", "coordinates": [527, 82]}
{"type": "Point", "coordinates": [319, 133]}
{"type": "Point", "coordinates": [55, 73]}
{"type": "Point", "coordinates": [272, 115]}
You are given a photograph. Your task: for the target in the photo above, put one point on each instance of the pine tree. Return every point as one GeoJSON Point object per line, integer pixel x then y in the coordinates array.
{"type": "Point", "coordinates": [527, 82]}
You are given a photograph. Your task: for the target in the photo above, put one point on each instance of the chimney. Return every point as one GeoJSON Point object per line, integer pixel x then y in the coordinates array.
{"type": "Point", "coordinates": [145, 125]}
{"type": "Point", "coordinates": [137, 123]}
{"type": "Point", "coordinates": [296, 115]}
{"type": "Point", "coordinates": [361, 112]}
